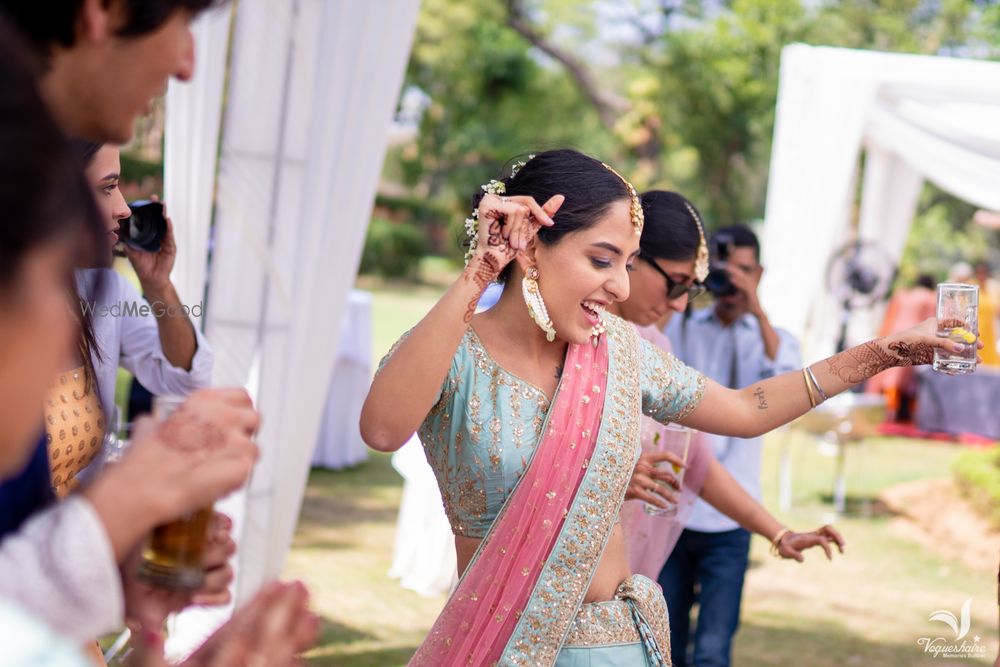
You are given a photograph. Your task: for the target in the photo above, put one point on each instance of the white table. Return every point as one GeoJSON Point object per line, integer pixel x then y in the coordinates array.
{"type": "Point", "coordinates": [339, 444]}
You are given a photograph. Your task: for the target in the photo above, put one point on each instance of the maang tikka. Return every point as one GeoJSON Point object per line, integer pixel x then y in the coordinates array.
{"type": "Point", "coordinates": [536, 306]}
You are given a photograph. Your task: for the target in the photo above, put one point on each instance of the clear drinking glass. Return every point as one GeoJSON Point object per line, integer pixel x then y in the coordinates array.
{"type": "Point", "coordinates": [172, 556]}
{"type": "Point", "coordinates": [670, 438]}
{"type": "Point", "coordinates": [958, 321]}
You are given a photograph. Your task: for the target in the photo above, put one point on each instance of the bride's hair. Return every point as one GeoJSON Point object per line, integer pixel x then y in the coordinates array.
{"type": "Point", "coordinates": [590, 189]}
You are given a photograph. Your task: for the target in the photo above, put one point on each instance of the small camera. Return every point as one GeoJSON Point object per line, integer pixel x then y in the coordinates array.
{"type": "Point", "coordinates": [718, 282]}
{"type": "Point", "coordinates": [146, 228]}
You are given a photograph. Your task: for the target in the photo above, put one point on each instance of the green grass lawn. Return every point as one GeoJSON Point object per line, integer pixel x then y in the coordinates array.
{"type": "Point", "coordinates": [867, 608]}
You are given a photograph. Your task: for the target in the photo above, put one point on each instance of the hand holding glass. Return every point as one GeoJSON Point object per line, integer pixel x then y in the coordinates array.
{"type": "Point", "coordinates": [677, 440]}
{"type": "Point", "coordinates": [173, 556]}
{"type": "Point", "coordinates": [958, 321]}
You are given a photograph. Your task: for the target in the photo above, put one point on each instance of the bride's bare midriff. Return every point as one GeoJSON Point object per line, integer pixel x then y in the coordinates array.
{"type": "Point", "coordinates": [612, 570]}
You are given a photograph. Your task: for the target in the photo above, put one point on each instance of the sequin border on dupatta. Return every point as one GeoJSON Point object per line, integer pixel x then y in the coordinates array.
{"type": "Point", "coordinates": [566, 576]}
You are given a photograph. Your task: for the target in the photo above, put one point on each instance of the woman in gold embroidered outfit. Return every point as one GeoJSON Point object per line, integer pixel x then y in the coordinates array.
{"type": "Point", "coordinates": [529, 415]}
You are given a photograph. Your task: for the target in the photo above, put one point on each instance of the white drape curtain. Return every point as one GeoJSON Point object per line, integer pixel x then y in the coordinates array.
{"type": "Point", "coordinates": [190, 149]}
{"type": "Point", "coordinates": [313, 86]}
{"type": "Point", "coordinates": [917, 118]}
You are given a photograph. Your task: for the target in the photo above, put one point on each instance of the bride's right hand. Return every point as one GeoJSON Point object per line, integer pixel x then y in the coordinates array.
{"type": "Point", "coordinates": [507, 225]}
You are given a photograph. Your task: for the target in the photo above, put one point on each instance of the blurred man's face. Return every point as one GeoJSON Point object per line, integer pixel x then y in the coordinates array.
{"type": "Point", "coordinates": [741, 260]}
{"type": "Point", "coordinates": [104, 82]}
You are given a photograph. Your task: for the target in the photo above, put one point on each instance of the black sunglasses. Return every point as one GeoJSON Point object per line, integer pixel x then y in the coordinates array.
{"type": "Point", "coordinates": [675, 290]}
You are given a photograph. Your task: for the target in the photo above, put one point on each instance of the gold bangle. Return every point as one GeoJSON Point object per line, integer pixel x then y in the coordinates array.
{"type": "Point", "coordinates": [819, 389]}
{"type": "Point", "coordinates": [776, 542]}
{"type": "Point", "coordinates": [809, 390]}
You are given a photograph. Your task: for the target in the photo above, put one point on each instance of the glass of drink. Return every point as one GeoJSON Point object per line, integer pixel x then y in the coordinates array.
{"type": "Point", "coordinates": [676, 439]}
{"type": "Point", "coordinates": [172, 558]}
{"type": "Point", "coordinates": [958, 321]}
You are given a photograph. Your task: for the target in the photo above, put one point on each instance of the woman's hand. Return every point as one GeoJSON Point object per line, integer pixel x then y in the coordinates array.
{"type": "Point", "coordinates": [147, 607]}
{"type": "Point", "coordinates": [507, 225]}
{"type": "Point", "coordinates": [273, 629]}
{"type": "Point", "coordinates": [792, 545]}
{"type": "Point", "coordinates": [153, 268]}
{"type": "Point", "coordinates": [649, 482]}
{"type": "Point", "coordinates": [915, 347]}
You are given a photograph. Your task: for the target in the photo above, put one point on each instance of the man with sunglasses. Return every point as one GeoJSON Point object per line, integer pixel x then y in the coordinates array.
{"type": "Point", "coordinates": [734, 344]}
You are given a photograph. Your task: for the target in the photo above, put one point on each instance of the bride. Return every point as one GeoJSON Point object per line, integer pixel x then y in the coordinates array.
{"type": "Point", "coordinates": [529, 415]}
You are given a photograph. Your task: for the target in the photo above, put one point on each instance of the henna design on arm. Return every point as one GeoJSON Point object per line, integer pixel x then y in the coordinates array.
{"type": "Point", "coordinates": [860, 363]}
{"type": "Point", "coordinates": [911, 354]}
{"type": "Point", "coordinates": [483, 272]}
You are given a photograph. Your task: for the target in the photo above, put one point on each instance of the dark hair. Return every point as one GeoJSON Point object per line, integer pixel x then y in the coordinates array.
{"type": "Point", "coordinates": [590, 189]}
{"type": "Point", "coordinates": [743, 237]}
{"type": "Point", "coordinates": [49, 23]}
{"type": "Point", "coordinates": [926, 280]}
{"type": "Point", "coordinates": [43, 192]}
{"type": "Point", "coordinates": [671, 231]}
{"type": "Point", "coordinates": [86, 150]}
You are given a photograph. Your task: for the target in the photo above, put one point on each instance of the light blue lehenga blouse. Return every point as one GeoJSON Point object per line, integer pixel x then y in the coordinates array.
{"type": "Point", "coordinates": [480, 435]}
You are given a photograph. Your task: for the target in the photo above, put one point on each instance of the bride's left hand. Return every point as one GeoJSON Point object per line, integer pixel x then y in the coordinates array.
{"type": "Point", "coordinates": [793, 544]}
{"type": "Point", "coordinates": [915, 346]}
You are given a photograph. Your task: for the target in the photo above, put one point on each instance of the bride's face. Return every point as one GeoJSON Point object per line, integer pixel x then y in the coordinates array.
{"type": "Point", "coordinates": [587, 270]}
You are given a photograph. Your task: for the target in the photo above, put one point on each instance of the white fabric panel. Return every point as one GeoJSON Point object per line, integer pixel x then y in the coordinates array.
{"type": "Point", "coordinates": [339, 443]}
{"type": "Point", "coordinates": [190, 148]}
{"type": "Point", "coordinates": [423, 551]}
{"type": "Point", "coordinates": [818, 127]}
{"type": "Point", "coordinates": [921, 118]}
{"type": "Point", "coordinates": [312, 90]}
{"type": "Point", "coordinates": [968, 173]}
{"type": "Point", "coordinates": [889, 195]}
{"type": "Point", "coordinates": [303, 146]}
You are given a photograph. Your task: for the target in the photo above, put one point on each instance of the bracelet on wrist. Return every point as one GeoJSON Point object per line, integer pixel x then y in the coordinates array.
{"type": "Point", "coordinates": [776, 542]}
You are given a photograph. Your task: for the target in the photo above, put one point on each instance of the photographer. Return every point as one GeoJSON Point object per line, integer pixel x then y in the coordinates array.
{"type": "Point", "coordinates": [734, 344]}
{"type": "Point", "coordinates": [155, 341]}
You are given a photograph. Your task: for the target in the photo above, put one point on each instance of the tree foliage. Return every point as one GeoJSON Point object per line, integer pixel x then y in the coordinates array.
{"type": "Point", "coordinates": [679, 93]}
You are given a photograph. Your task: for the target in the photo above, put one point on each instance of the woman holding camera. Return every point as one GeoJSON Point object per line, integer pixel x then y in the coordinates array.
{"type": "Point", "coordinates": [154, 339]}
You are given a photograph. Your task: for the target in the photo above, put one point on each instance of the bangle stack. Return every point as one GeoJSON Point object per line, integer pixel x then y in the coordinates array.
{"type": "Point", "coordinates": [812, 387]}
{"type": "Point", "coordinates": [776, 542]}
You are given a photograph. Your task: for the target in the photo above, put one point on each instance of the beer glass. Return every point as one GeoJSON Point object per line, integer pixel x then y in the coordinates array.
{"type": "Point", "coordinates": [172, 558]}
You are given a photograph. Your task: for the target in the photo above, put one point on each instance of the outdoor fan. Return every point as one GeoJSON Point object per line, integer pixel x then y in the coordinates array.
{"type": "Point", "coordinates": [859, 275]}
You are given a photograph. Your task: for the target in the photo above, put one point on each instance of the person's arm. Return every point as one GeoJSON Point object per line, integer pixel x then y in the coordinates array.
{"type": "Point", "coordinates": [724, 493]}
{"type": "Point", "coordinates": [748, 285]}
{"type": "Point", "coordinates": [176, 331]}
{"type": "Point", "coordinates": [142, 352]}
{"type": "Point", "coordinates": [405, 389]}
{"type": "Point", "coordinates": [766, 405]}
{"type": "Point", "coordinates": [60, 565]}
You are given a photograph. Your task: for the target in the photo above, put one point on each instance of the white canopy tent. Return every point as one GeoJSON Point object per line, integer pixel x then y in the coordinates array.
{"type": "Point", "coordinates": [312, 89]}
{"type": "Point", "coordinates": [916, 118]}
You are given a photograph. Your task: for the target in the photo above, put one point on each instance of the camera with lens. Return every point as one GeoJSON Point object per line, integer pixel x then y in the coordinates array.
{"type": "Point", "coordinates": [718, 282]}
{"type": "Point", "coordinates": [146, 228]}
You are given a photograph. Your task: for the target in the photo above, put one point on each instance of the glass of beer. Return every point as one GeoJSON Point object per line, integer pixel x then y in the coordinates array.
{"type": "Point", "coordinates": [958, 321]}
{"type": "Point", "coordinates": [676, 439]}
{"type": "Point", "coordinates": [172, 558]}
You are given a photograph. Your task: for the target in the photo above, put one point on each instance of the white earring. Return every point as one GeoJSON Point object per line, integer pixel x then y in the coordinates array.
{"type": "Point", "coordinates": [536, 306]}
{"type": "Point", "coordinates": [595, 333]}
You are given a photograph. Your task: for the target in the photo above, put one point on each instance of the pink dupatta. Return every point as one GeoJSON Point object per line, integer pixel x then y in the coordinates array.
{"type": "Point", "coordinates": [483, 611]}
{"type": "Point", "coordinates": [650, 539]}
